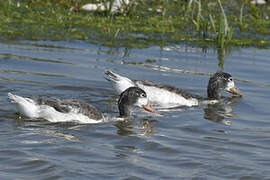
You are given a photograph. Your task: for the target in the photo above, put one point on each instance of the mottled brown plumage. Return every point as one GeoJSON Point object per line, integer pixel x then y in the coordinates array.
{"type": "Point", "coordinates": [168, 88]}
{"type": "Point", "coordinates": [70, 105]}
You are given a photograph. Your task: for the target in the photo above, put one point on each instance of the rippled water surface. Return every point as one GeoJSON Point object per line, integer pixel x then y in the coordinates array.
{"type": "Point", "coordinates": [230, 140]}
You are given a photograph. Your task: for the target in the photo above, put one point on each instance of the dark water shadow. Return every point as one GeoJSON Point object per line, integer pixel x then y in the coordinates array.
{"type": "Point", "coordinates": [219, 113]}
{"type": "Point", "coordinates": [62, 130]}
{"type": "Point", "coordinates": [135, 127]}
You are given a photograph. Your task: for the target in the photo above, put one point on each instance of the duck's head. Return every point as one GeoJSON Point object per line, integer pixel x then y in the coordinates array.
{"type": "Point", "coordinates": [219, 82]}
{"type": "Point", "coordinates": [132, 97]}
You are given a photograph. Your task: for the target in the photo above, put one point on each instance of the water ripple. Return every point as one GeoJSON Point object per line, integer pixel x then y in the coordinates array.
{"type": "Point", "coordinates": [183, 143]}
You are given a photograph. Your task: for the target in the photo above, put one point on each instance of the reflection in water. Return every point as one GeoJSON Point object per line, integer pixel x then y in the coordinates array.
{"type": "Point", "coordinates": [137, 128]}
{"type": "Point", "coordinates": [127, 152]}
{"type": "Point", "coordinates": [182, 146]}
{"type": "Point", "coordinates": [129, 127]}
{"type": "Point", "coordinates": [8, 56]}
{"type": "Point", "coordinates": [115, 51]}
{"type": "Point", "coordinates": [40, 126]}
{"type": "Point", "coordinates": [53, 133]}
{"type": "Point", "coordinates": [222, 53]}
{"type": "Point", "coordinates": [124, 128]}
{"type": "Point", "coordinates": [219, 112]}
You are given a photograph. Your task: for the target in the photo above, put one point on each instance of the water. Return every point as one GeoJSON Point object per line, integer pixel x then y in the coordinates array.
{"type": "Point", "coordinates": [230, 140]}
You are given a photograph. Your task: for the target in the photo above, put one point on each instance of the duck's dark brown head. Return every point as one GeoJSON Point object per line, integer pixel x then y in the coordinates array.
{"type": "Point", "coordinates": [131, 97]}
{"type": "Point", "coordinates": [219, 82]}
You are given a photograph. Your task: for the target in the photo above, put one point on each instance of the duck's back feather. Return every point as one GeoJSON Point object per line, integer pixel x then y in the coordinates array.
{"type": "Point", "coordinates": [166, 87]}
{"type": "Point", "coordinates": [56, 110]}
{"type": "Point", "coordinates": [71, 106]}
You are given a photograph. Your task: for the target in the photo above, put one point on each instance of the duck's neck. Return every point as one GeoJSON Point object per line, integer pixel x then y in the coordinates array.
{"type": "Point", "coordinates": [124, 109]}
{"type": "Point", "coordinates": [213, 92]}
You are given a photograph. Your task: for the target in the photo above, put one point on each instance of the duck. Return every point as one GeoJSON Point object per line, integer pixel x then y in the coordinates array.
{"type": "Point", "coordinates": [167, 96]}
{"type": "Point", "coordinates": [258, 2]}
{"type": "Point", "coordinates": [114, 6]}
{"type": "Point", "coordinates": [69, 110]}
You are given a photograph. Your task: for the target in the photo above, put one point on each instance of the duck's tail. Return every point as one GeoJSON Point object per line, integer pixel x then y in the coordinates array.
{"type": "Point", "coordinates": [119, 83]}
{"type": "Point", "coordinates": [111, 76]}
{"type": "Point", "coordinates": [16, 99]}
{"type": "Point", "coordinates": [25, 106]}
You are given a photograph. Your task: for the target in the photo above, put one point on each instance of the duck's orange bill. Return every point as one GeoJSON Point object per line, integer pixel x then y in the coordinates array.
{"type": "Point", "coordinates": [149, 108]}
{"type": "Point", "coordinates": [235, 91]}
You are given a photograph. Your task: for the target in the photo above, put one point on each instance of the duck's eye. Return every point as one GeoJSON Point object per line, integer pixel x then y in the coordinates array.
{"type": "Point", "coordinates": [230, 79]}
{"type": "Point", "coordinates": [143, 95]}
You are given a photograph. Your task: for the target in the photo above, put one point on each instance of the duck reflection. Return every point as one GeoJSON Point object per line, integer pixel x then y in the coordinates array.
{"type": "Point", "coordinates": [43, 127]}
{"type": "Point", "coordinates": [141, 127]}
{"type": "Point", "coordinates": [220, 112]}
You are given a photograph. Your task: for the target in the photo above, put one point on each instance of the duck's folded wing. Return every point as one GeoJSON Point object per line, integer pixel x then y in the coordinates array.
{"type": "Point", "coordinates": [169, 88]}
{"type": "Point", "coordinates": [72, 106]}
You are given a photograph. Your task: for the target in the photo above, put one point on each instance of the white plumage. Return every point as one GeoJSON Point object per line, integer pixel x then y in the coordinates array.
{"type": "Point", "coordinates": [159, 95]}
{"type": "Point", "coordinates": [166, 96]}
{"type": "Point", "coordinates": [30, 108]}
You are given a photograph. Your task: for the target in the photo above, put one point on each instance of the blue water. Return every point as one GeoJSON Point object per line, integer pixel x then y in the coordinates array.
{"type": "Point", "coordinates": [230, 140]}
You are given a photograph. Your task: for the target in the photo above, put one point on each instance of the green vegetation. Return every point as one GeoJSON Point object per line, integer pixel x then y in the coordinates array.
{"type": "Point", "coordinates": [204, 22]}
